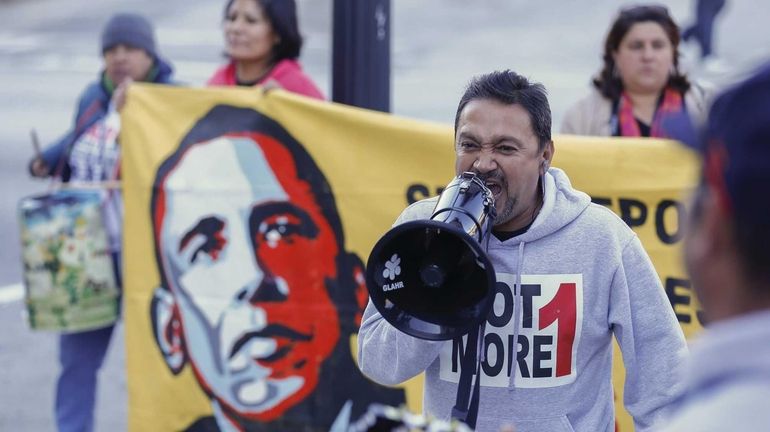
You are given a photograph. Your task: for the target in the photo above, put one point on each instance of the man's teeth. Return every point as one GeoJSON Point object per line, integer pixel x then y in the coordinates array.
{"type": "Point", "coordinates": [494, 188]}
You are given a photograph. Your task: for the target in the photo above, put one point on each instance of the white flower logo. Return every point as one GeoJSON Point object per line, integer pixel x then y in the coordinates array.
{"type": "Point", "coordinates": [392, 268]}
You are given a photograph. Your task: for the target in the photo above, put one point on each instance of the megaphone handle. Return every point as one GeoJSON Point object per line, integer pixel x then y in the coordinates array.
{"type": "Point", "coordinates": [470, 364]}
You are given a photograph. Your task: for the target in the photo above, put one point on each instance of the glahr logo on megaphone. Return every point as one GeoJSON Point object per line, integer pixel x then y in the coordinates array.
{"type": "Point", "coordinates": [392, 269]}
{"type": "Point", "coordinates": [431, 278]}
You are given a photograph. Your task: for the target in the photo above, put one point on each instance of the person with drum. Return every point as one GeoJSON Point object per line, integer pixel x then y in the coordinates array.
{"type": "Point", "coordinates": [90, 153]}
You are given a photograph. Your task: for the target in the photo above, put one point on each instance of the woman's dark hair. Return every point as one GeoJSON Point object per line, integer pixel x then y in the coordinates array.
{"type": "Point", "coordinates": [608, 83]}
{"type": "Point", "coordinates": [282, 15]}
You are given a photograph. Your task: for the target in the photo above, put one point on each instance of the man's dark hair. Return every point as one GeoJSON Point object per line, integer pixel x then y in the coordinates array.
{"type": "Point", "coordinates": [608, 82]}
{"type": "Point", "coordinates": [282, 15]}
{"type": "Point", "coordinates": [510, 88]}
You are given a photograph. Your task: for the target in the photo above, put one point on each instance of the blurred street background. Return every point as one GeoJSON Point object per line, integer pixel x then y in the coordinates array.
{"type": "Point", "coordinates": [49, 50]}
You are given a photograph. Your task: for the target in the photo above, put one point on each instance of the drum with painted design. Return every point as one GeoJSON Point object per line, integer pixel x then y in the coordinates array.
{"type": "Point", "coordinates": [69, 275]}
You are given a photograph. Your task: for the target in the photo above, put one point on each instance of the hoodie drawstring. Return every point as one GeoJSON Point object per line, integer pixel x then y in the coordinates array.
{"type": "Point", "coordinates": [516, 317]}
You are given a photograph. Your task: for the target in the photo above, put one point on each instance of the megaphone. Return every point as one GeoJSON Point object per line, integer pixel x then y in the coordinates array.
{"type": "Point", "coordinates": [431, 278]}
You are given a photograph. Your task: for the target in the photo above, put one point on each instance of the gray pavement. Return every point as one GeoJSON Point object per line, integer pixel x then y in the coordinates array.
{"type": "Point", "coordinates": [48, 53]}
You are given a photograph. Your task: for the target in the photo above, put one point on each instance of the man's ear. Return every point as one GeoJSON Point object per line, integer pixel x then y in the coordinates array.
{"type": "Point", "coordinates": [548, 152]}
{"type": "Point", "coordinates": [167, 329]}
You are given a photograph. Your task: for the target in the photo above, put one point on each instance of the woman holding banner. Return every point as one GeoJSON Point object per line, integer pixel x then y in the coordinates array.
{"type": "Point", "coordinates": [263, 43]}
{"type": "Point", "coordinates": [640, 83]}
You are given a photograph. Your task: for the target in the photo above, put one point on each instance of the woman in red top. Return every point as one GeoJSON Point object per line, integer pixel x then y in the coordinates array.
{"type": "Point", "coordinates": [263, 43]}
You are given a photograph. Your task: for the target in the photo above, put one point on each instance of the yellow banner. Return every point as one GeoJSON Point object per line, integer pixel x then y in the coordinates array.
{"type": "Point", "coordinates": [248, 219]}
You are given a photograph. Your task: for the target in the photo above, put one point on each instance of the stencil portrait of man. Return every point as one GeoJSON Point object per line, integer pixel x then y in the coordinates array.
{"type": "Point", "coordinates": [257, 293]}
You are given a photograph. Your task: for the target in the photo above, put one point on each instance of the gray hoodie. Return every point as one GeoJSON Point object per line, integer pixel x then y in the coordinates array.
{"type": "Point", "coordinates": [584, 276]}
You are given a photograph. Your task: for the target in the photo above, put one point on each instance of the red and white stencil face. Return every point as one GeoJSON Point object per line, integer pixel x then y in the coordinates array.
{"type": "Point", "coordinates": [247, 253]}
{"type": "Point", "coordinates": [548, 337]}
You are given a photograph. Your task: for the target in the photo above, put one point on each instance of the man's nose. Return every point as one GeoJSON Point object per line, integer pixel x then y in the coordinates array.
{"type": "Point", "coordinates": [485, 162]}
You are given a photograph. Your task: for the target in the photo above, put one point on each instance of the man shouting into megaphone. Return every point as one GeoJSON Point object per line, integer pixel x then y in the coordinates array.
{"type": "Point", "coordinates": [570, 275]}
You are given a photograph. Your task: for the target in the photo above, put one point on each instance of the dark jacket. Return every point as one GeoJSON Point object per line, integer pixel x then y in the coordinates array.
{"type": "Point", "coordinates": [92, 106]}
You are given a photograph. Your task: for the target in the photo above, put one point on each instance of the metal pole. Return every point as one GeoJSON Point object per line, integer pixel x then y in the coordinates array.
{"type": "Point", "coordinates": [361, 53]}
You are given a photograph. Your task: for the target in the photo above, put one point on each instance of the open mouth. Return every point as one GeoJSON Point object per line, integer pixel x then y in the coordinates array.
{"type": "Point", "coordinates": [494, 187]}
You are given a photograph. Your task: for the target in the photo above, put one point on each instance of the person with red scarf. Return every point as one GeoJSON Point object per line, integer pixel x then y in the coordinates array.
{"type": "Point", "coordinates": [640, 84]}
{"type": "Point", "coordinates": [263, 43]}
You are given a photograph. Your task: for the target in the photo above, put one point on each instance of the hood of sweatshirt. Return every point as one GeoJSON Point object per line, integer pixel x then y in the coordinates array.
{"type": "Point", "coordinates": [561, 205]}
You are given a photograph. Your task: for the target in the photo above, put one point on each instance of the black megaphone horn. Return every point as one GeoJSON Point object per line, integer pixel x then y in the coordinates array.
{"type": "Point", "coordinates": [431, 278]}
